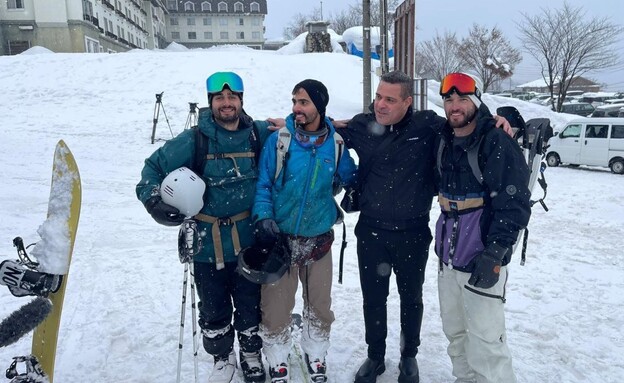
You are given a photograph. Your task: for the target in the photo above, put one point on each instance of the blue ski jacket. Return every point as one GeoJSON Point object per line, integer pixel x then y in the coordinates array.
{"type": "Point", "coordinates": [300, 199]}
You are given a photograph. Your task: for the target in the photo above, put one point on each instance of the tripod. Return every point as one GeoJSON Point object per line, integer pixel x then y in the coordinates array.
{"type": "Point", "coordinates": [157, 108]}
{"type": "Point", "coordinates": [191, 120]}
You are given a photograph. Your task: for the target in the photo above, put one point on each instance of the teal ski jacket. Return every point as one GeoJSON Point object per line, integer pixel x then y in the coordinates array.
{"type": "Point", "coordinates": [230, 183]}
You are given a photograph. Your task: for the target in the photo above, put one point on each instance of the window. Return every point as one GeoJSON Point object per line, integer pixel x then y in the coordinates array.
{"type": "Point", "coordinates": [255, 22]}
{"type": "Point", "coordinates": [192, 36]}
{"type": "Point", "coordinates": [206, 7]}
{"type": "Point", "coordinates": [173, 20]}
{"type": "Point", "coordinates": [175, 35]}
{"type": "Point", "coordinates": [240, 35]}
{"type": "Point", "coordinates": [188, 6]}
{"type": "Point", "coordinates": [256, 35]}
{"type": "Point", "coordinates": [617, 131]}
{"type": "Point", "coordinates": [190, 21]}
{"type": "Point", "coordinates": [207, 35]}
{"type": "Point", "coordinates": [238, 7]}
{"type": "Point", "coordinates": [15, 4]}
{"type": "Point", "coordinates": [223, 7]}
{"type": "Point", "coordinates": [207, 21]}
{"type": "Point", "coordinates": [241, 21]}
{"type": "Point", "coordinates": [172, 5]}
{"type": "Point", "coordinates": [596, 131]}
{"type": "Point", "coordinates": [224, 36]}
{"type": "Point", "coordinates": [255, 7]}
{"type": "Point", "coordinates": [571, 131]}
{"type": "Point", "coordinates": [223, 22]}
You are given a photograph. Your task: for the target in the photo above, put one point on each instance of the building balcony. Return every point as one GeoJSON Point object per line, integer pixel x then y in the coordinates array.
{"type": "Point", "coordinates": [108, 4]}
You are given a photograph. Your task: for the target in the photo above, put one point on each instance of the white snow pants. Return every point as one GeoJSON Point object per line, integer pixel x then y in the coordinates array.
{"type": "Point", "coordinates": [474, 323]}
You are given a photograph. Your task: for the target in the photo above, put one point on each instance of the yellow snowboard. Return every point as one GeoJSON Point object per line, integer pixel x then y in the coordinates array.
{"type": "Point", "coordinates": [54, 250]}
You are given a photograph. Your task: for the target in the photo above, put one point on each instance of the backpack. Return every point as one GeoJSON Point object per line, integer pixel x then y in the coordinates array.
{"type": "Point", "coordinates": [533, 135]}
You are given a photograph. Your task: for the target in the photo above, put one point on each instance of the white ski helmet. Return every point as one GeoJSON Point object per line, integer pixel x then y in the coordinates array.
{"type": "Point", "coordinates": [184, 190]}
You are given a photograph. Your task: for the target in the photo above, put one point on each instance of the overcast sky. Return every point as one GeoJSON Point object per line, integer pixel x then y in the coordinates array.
{"type": "Point", "coordinates": [436, 16]}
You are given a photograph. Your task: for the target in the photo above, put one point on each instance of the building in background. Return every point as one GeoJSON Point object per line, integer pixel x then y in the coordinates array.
{"type": "Point", "coordinates": [206, 23]}
{"type": "Point", "coordinates": [120, 25]}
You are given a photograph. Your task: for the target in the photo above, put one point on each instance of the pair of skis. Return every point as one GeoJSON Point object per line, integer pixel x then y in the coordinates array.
{"type": "Point", "coordinates": [47, 277]}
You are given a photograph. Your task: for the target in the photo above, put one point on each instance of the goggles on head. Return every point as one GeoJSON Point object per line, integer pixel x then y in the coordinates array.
{"type": "Point", "coordinates": [310, 139]}
{"type": "Point", "coordinates": [219, 80]}
{"type": "Point", "coordinates": [459, 82]}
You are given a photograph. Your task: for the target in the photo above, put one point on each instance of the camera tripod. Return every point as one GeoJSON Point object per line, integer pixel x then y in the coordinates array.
{"type": "Point", "coordinates": [191, 119]}
{"type": "Point", "coordinates": [157, 108]}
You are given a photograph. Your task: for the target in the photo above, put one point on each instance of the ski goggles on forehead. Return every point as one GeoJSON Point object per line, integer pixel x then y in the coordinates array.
{"type": "Point", "coordinates": [461, 83]}
{"type": "Point", "coordinates": [216, 82]}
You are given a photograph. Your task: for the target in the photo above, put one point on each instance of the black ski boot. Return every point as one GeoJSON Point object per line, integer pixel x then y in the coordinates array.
{"type": "Point", "coordinates": [408, 368]}
{"type": "Point", "coordinates": [370, 369]}
{"type": "Point", "coordinates": [251, 364]}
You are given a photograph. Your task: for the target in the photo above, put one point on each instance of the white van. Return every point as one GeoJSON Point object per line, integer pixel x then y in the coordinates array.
{"type": "Point", "coordinates": [589, 141]}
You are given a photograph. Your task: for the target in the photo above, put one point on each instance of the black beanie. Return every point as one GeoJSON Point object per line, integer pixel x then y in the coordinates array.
{"type": "Point", "coordinates": [317, 92]}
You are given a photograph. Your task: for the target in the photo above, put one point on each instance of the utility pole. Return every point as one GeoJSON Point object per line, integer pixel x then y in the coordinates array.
{"type": "Point", "coordinates": [366, 56]}
{"type": "Point", "coordinates": [383, 36]}
{"type": "Point", "coordinates": [321, 11]}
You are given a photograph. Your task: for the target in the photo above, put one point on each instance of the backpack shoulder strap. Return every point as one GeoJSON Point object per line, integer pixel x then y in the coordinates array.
{"type": "Point", "coordinates": [201, 151]}
{"type": "Point", "coordinates": [473, 161]}
{"type": "Point", "coordinates": [338, 149]}
{"type": "Point", "coordinates": [283, 143]}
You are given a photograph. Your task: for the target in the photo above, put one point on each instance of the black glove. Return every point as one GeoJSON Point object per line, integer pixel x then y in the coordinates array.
{"type": "Point", "coordinates": [487, 267]}
{"type": "Point", "coordinates": [267, 231]}
{"type": "Point", "coordinates": [162, 213]}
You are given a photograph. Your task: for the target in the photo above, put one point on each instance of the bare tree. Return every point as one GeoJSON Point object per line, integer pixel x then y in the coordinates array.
{"type": "Point", "coordinates": [298, 23]}
{"type": "Point", "coordinates": [568, 45]}
{"type": "Point", "coordinates": [344, 20]}
{"type": "Point", "coordinates": [439, 56]}
{"type": "Point", "coordinates": [488, 53]}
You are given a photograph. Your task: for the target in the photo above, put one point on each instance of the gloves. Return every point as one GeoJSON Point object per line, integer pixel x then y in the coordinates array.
{"type": "Point", "coordinates": [267, 231]}
{"type": "Point", "coordinates": [162, 213]}
{"type": "Point", "coordinates": [487, 266]}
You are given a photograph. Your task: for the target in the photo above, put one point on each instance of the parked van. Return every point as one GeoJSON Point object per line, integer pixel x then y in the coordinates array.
{"type": "Point", "coordinates": [589, 141]}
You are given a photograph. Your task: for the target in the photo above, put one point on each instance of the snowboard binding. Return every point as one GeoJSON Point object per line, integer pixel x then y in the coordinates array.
{"type": "Point", "coordinates": [33, 374]}
{"type": "Point", "coordinates": [22, 276]}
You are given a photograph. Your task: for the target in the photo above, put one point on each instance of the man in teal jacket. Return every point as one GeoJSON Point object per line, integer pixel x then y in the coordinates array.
{"type": "Point", "coordinates": [228, 165]}
{"type": "Point", "coordinates": [297, 205]}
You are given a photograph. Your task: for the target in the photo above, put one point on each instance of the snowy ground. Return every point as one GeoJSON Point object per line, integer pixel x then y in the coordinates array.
{"type": "Point", "coordinates": [122, 307]}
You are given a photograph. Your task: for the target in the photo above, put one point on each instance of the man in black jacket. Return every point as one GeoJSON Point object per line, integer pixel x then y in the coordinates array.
{"type": "Point", "coordinates": [485, 202]}
{"type": "Point", "coordinates": [395, 146]}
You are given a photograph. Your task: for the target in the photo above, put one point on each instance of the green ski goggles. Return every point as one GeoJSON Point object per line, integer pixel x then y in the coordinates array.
{"type": "Point", "coordinates": [219, 80]}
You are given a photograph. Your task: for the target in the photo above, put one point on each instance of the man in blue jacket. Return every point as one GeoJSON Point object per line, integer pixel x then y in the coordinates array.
{"type": "Point", "coordinates": [485, 202]}
{"type": "Point", "coordinates": [228, 165]}
{"type": "Point", "coordinates": [298, 205]}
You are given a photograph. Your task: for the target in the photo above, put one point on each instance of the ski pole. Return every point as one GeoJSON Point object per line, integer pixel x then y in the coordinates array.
{"type": "Point", "coordinates": [182, 315]}
{"type": "Point", "coordinates": [194, 314]}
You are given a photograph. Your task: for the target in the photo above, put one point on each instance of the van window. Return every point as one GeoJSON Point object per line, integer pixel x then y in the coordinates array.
{"type": "Point", "coordinates": [596, 131]}
{"type": "Point", "coordinates": [617, 131]}
{"type": "Point", "coordinates": [571, 131]}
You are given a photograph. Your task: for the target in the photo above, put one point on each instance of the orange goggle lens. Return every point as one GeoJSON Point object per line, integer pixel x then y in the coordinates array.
{"type": "Point", "coordinates": [462, 83]}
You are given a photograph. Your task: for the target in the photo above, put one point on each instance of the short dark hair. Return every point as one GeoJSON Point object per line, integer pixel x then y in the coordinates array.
{"type": "Point", "coordinates": [398, 77]}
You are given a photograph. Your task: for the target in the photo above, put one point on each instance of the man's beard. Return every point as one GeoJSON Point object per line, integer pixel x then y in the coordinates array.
{"type": "Point", "coordinates": [219, 117]}
{"type": "Point", "coordinates": [464, 122]}
{"type": "Point", "coordinates": [306, 120]}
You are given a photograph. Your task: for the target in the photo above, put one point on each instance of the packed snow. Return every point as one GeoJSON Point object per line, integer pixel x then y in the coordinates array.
{"type": "Point", "coordinates": [122, 306]}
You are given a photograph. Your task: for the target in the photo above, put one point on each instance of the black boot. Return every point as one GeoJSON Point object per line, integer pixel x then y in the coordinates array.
{"type": "Point", "coordinates": [408, 368]}
{"type": "Point", "coordinates": [369, 371]}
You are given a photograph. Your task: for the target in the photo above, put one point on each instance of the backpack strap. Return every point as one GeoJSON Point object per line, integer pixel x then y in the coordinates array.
{"type": "Point", "coordinates": [283, 144]}
{"type": "Point", "coordinates": [473, 159]}
{"type": "Point", "coordinates": [201, 151]}
{"type": "Point", "coordinates": [202, 154]}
